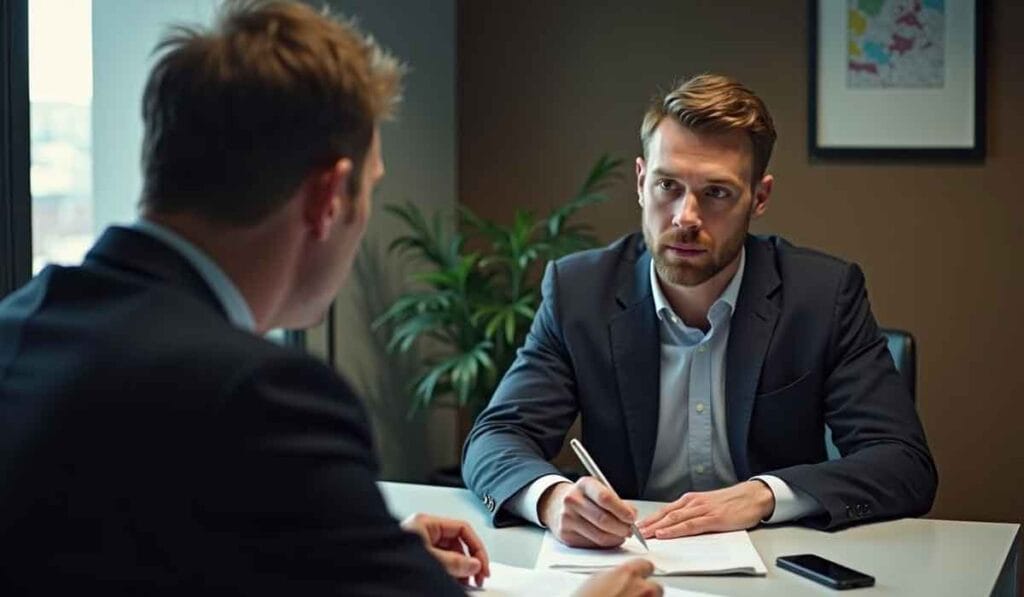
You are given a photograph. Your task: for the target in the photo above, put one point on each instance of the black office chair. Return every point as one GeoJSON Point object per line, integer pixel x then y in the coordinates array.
{"type": "Point", "coordinates": [904, 355]}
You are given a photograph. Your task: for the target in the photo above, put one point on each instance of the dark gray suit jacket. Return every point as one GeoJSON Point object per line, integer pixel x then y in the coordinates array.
{"type": "Point", "coordinates": [804, 350]}
{"type": "Point", "coordinates": [149, 447]}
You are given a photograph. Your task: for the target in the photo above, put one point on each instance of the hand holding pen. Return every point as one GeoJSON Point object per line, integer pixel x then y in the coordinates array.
{"type": "Point", "coordinates": [587, 513]}
{"type": "Point", "coordinates": [595, 472]}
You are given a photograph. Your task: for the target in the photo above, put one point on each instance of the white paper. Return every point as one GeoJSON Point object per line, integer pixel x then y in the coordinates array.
{"type": "Point", "coordinates": [718, 553]}
{"type": "Point", "coordinates": [510, 581]}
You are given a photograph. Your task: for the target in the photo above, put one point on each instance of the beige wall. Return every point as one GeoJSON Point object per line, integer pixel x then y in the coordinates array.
{"type": "Point", "coordinates": [545, 87]}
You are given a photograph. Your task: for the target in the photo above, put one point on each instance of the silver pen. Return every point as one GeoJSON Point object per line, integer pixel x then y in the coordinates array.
{"type": "Point", "coordinates": [591, 467]}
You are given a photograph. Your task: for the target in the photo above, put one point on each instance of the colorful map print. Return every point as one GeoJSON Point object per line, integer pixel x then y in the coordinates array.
{"type": "Point", "coordinates": [896, 43]}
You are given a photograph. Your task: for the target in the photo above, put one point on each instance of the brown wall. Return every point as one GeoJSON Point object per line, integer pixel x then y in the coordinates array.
{"type": "Point", "coordinates": [545, 87]}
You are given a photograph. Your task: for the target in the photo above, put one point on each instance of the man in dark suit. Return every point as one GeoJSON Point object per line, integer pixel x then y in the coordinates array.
{"type": "Point", "coordinates": [704, 362]}
{"type": "Point", "coordinates": [150, 441]}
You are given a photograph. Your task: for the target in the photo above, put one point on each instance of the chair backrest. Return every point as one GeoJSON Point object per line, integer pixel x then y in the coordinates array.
{"type": "Point", "coordinates": [904, 355]}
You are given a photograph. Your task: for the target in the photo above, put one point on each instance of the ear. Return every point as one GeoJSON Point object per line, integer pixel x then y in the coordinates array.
{"type": "Point", "coordinates": [762, 193]}
{"type": "Point", "coordinates": [641, 173]}
{"type": "Point", "coordinates": [326, 200]}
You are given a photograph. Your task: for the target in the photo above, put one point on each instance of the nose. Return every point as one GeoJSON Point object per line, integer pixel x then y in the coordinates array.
{"type": "Point", "coordinates": [687, 214]}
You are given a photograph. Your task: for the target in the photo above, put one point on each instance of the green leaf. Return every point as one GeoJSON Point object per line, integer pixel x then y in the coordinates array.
{"type": "Point", "coordinates": [421, 239]}
{"type": "Point", "coordinates": [476, 307]}
{"type": "Point", "coordinates": [602, 173]}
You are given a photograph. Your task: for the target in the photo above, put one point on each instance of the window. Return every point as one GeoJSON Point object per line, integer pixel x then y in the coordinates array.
{"type": "Point", "coordinates": [88, 61]}
{"type": "Point", "coordinates": [60, 96]}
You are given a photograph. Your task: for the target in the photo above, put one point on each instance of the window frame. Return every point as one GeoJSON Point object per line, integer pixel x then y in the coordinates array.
{"type": "Point", "coordinates": [15, 128]}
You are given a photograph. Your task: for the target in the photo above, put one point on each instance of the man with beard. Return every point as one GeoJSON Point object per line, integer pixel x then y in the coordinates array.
{"type": "Point", "coordinates": [704, 361]}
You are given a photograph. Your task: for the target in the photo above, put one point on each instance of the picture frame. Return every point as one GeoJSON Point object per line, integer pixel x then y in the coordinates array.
{"type": "Point", "coordinates": [896, 79]}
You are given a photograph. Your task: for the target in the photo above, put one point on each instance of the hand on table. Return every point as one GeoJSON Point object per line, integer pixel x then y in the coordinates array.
{"type": "Point", "coordinates": [449, 540]}
{"type": "Point", "coordinates": [586, 514]}
{"type": "Point", "coordinates": [625, 580]}
{"type": "Point", "coordinates": [741, 506]}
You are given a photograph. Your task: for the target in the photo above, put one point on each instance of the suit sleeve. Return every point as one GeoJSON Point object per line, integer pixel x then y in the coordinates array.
{"type": "Point", "coordinates": [886, 469]}
{"type": "Point", "coordinates": [525, 423]}
{"type": "Point", "coordinates": [295, 501]}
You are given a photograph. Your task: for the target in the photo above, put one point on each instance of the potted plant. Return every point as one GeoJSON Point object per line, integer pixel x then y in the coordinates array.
{"type": "Point", "coordinates": [475, 302]}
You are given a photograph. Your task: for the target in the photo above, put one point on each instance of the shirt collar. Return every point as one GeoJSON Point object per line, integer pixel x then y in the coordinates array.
{"type": "Point", "coordinates": [226, 292]}
{"type": "Point", "coordinates": [723, 305]}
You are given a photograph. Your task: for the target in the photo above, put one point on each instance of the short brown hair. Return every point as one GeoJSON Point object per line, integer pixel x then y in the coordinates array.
{"type": "Point", "coordinates": [236, 116]}
{"type": "Point", "coordinates": [715, 103]}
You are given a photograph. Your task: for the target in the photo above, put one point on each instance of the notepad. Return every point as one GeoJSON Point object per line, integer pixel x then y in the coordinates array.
{"type": "Point", "coordinates": [510, 581]}
{"type": "Point", "coordinates": [713, 554]}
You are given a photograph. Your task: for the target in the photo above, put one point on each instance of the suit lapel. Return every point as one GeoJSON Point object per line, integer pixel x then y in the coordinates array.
{"type": "Point", "coordinates": [637, 359]}
{"type": "Point", "coordinates": [751, 329]}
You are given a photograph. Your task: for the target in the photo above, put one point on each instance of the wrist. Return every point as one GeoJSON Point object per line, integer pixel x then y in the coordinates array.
{"type": "Point", "coordinates": [764, 497]}
{"type": "Point", "coordinates": [549, 499]}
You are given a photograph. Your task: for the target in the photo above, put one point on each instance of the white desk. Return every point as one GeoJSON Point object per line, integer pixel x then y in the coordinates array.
{"type": "Point", "coordinates": [906, 557]}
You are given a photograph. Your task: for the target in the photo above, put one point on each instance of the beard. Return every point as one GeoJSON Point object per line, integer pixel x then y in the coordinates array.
{"type": "Point", "coordinates": [683, 271]}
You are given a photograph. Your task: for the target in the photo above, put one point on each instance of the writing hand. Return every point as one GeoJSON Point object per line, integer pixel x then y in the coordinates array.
{"type": "Point", "coordinates": [586, 514]}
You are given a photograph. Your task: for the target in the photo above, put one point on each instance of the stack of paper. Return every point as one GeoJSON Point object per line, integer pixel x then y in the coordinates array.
{"type": "Point", "coordinates": [720, 553]}
{"type": "Point", "coordinates": [509, 581]}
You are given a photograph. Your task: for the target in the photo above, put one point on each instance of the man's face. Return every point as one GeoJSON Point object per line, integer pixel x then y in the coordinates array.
{"type": "Point", "coordinates": [697, 200]}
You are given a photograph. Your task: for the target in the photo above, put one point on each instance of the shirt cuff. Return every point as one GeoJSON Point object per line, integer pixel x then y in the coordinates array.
{"type": "Point", "coordinates": [525, 501]}
{"type": "Point", "coordinates": [790, 503]}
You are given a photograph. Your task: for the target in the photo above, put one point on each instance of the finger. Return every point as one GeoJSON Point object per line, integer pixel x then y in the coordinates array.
{"type": "Point", "coordinates": [683, 500]}
{"type": "Point", "coordinates": [639, 567]}
{"type": "Point", "coordinates": [455, 533]}
{"type": "Point", "coordinates": [602, 519]}
{"type": "Point", "coordinates": [687, 528]}
{"type": "Point", "coordinates": [651, 589]}
{"type": "Point", "coordinates": [477, 550]}
{"type": "Point", "coordinates": [456, 564]}
{"type": "Point", "coordinates": [574, 539]}
{"type": "Point", "coordinates": [459, 533]}
{"type": "Point", "coordinates": [416, 523]}
{"type": "Point", "coordinates": [607, 499]}
{"type": "Point", "coordinates": [653, 519]}
{"type": "Point", "coordinates": [676, 517]}
{"type": "Point", "coordinates": [598, 537]}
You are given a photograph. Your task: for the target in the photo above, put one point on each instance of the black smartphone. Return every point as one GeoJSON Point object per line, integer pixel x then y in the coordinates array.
{"type": "Point", "coordinates": [825, 571]}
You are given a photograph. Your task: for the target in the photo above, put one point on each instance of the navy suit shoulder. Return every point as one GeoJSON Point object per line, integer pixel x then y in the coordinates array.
{"type": "Point", "coordinates": [149, 446]}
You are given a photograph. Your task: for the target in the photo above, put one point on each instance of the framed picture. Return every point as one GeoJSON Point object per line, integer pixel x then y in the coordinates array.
{"type": "Point", "coordinates": [896, 79]}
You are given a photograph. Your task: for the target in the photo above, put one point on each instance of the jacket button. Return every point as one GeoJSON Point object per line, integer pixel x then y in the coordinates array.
{"type": "Point", "coordinates": [849, 512]}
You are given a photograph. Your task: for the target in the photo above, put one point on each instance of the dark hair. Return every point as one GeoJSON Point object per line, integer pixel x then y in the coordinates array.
{"type": "Point", "coordinates": [716, 103]}
{"type": "Point", "coordinates": [235, 117]}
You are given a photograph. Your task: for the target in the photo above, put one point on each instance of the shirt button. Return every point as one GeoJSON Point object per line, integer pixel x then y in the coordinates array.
{"type": "Point", "coordinates": [700, 469]}
{"type": "Point", "coordinates": [700, 407]}
{"type": "Point", "coordinates": [702, 348]}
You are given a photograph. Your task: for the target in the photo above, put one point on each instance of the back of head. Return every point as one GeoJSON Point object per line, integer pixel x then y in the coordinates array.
{"type": "Point", "coordinates": [713, 104]}
{"type": "Point", "coordinates": [236, 116]}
